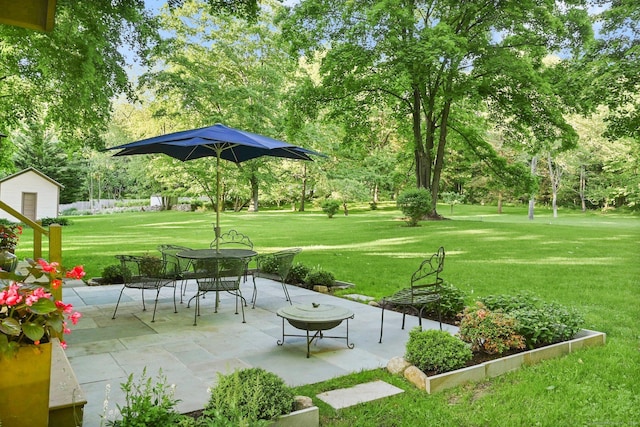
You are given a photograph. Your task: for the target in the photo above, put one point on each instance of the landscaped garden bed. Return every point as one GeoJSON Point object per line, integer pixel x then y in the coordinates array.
{"type": "Point", "coordinates": [432, 383]}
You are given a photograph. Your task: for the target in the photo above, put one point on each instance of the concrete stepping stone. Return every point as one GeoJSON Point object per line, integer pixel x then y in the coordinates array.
{"type": "Point", "coordinates": [345, 397]}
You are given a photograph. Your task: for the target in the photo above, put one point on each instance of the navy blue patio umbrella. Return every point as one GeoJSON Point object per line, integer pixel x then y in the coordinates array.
{"type": "Point", "coordinates": [221, 141]}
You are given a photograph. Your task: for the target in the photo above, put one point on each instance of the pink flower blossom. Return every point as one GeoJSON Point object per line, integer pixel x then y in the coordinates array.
{"type": "Point", "coordinates": [76, 272]}
{"type": "Point", "coordinates": [75, 317]}
{"type": "Point", "coordinates": [49, 268]}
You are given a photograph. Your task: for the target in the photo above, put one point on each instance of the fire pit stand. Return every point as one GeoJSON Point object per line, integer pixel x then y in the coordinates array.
{"type": "Point", "coordinates": [314, 319]}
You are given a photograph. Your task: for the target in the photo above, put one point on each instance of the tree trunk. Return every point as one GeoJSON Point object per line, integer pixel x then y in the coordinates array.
{"type": "Point", "coordinates": [554, 176]}
{"type": "Point", "coordinates": [304, 187]}
{"type": "Point", "coordinates": [253, 203]}
{"type": "Point", "coordinates": [583, 185]}
{"type": "Point", "coordinates": [346, 210]}
{"type": "Point", "coordinates": [534, 164]}
{"type": "Point", "coordinates": [500, 202]}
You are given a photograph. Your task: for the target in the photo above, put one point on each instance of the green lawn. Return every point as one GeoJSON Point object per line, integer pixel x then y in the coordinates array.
{"type": "Point", "coordinates": [589, 261]}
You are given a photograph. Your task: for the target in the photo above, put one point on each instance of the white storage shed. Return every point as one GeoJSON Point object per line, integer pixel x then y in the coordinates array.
{"type": "Point", "coordinates": [31, 193]}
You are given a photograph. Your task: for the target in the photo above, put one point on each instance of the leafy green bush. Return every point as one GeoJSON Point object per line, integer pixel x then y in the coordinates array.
{"type": "Point", "coordinates": [319, 277]}
{"type": "Point", "coordinates": [268, 264]}
{"type": "Point", "coordinates": [451, 303]}
{"type": "Point", "coordinates": [114, 274]}
{"type": "Point", "coordinates": [508, 303]}
{"type": "Point", "coordinates": [434, 350]}
{"type": "Point", "coordinates": [147, 404]}
{"type": "Point", "coordinates": [414, 204]}
{"type": "Point", "coordinates": [538, 322]}
{"type": "Point", "coordinates": [60, 221]}
{"type": "Point", "coordinates": [249, 395]}
{"type": "Point", "coordinates": [297, 273]}
{"type": "Point", "coordinates": [330, 207]}
{"type": "Point", "coordinates": [547, 324]}
{"type": "Point", "coordinates": [491, 332]}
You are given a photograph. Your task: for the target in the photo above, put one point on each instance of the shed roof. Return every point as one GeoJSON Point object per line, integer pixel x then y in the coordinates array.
{"type": "Point", "coordinates": [34, 170]}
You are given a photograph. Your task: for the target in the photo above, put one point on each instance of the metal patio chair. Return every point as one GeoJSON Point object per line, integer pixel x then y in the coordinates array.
{"type": "Point", "coordinates": [219, 275]}
{"type": "Point", "coordinates": [233, 240]}
{"type": "Point", "coordinates": [425, 289]}
{"type": "Point", "coordinates": [147, 273]}
{"type": "Point", "coordinates": [184, 269]}
{"type": "Point", "coordinates": [278, 263]}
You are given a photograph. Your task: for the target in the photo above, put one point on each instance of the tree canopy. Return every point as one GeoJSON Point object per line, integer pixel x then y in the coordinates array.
{"type": "Point", "coordinates": [443, 66]}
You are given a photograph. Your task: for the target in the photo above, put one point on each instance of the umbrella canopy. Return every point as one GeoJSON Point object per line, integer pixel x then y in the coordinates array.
{"type": "Point", "coordinates": [221, 141]}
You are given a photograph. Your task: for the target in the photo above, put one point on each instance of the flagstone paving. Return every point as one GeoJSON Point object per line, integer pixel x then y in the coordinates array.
{"type": "Point", "coordinates": [103, 351]}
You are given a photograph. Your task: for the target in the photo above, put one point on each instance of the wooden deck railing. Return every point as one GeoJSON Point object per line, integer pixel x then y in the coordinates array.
{"type": "Point", "coordinates": [55, 239]}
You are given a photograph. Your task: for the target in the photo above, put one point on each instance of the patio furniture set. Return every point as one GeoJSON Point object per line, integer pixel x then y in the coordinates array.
{"type": "Point", "coordinates": [225, 265]}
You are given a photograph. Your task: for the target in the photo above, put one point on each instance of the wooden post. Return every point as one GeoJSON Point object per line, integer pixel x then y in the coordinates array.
{"type": "Point", "coordinates": [37, 243]}
{"type": "Point", "coordinates": [55, 253]}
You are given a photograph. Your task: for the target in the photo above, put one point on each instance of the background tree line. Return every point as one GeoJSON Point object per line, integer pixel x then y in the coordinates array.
{"type": "Point", "coordinates": [485, 102]}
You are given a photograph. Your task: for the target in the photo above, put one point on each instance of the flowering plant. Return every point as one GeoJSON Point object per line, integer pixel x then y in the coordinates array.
{"type": "Point", "coordinates": [29, 315]}
{"type": "Point", "coordinates": [9, 235]}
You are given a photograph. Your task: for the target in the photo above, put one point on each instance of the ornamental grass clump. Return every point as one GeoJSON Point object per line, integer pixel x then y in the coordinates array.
{"type": "Point", "coordinates": [491, 332]}
{"type": "Point", "coordinates": [436, 351]}
{"type": "Point", "coordinates": [29, 315]}
{"type": "Point", "coordinates": [249, 395]}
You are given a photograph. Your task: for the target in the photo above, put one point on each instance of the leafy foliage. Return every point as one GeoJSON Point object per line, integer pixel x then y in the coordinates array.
{"type": "Point", "coordinates": [320, 277]}
{"type": "Point", "coordinates": [330, 207]}
{"type": "Point", "coordinates": [415, 204]}
{"type": "Point", "coordinates": [114, 274]}
{"type": "Point", "coordinates": [147, 403]}
{"type": "Point", "coordinates": [490, 332]}
{"type": "Point", "coordinates": [297, 273]}
{"type": "Point", "coordinates": [538, 322]}
{"type": "Point", "coordinates": [435, 350]}
{"type": "Point", "coordinates": [451, 303]}
{"type": "Point", "coordinates": [250, 395]}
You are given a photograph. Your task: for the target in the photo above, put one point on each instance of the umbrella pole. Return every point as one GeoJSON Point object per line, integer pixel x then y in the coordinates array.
{"type": "Point", "coordinates": [218, 202]}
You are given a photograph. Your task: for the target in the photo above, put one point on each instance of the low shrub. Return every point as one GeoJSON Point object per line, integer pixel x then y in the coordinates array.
{"type": "Point", "coordinates": [415, 204]}
{"type": "Point", "coordinates": [547, 324]}
{"type": "Point", "coordinates": [268, 264]}
{"type": "Point", "coordinates": [249, 395]}
{"type": "Point", "coordinates": [114, 274]}
{"type": "Point", "coordinates": [451, 303]}
{"type": "Point", "coordinates": [491, 332]}
{"type": "Point", "coordinates": [538, 322]}
{"type": "Point", "coordinates": [436, 351]}
{"type": "Point", "coordinates": [59, 220]}
{"type": "Point", "coordinates": [330, 207]}
{"type": "Point", "coordinates": [319, 277]}
{"type": "Point", "coordinates": [508, 303]}
{"type": "Point", "coordinates": [146, 403]}
{"type": "Point", "coordinates": [297, 273]}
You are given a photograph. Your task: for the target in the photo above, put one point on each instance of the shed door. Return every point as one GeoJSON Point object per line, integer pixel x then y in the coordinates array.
{"type": "Point", "coordinates": [29, 205]}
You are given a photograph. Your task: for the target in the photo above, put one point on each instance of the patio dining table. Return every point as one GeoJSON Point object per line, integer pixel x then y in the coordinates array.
{"type": "Point", "coordinates": [195, 255]}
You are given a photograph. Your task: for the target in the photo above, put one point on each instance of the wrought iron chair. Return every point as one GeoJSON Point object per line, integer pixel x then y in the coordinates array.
{"type": "Point", "coordinates": [184, 269]}
{"type": "Point", "coordinates": [230, 240]}
{"type": "Point", "coordinates": [278, 263]}
{"type": "Point", "coordinates": [147, 273]}
{"type": "Point", "coordinates": [425, 290]}
{"type": "Point", "coordinates": [219, 275]}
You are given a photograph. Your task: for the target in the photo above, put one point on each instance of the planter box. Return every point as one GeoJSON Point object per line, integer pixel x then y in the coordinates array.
{"type": "Point", "coordinates": [585, 338]}
{"type": "Point", "coordinates": [308, 417]}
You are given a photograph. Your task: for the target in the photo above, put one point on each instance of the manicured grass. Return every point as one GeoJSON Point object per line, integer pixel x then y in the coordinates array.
{"type": "Point", "coordinates": [588, 261]}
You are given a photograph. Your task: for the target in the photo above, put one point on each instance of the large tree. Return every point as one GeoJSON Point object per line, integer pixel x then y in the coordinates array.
{"type": "Point", "coordinates": [69, 77]}
{"type": "Point", "coordinates": [442, 64]}
{"type": "Point", "coordinates": [221, 68]}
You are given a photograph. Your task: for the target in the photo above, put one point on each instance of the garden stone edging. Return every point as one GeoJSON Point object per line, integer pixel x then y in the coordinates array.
{"type": "Point", "coordinates": [432, 384]}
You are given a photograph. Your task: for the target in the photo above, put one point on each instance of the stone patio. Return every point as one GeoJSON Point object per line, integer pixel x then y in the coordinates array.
{"type": "Point", "coordinates": [104, 351]}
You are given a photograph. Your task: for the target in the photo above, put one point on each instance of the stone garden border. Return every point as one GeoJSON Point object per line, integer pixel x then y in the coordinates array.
{"type": "Point", "coordinates": [432, 384]}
